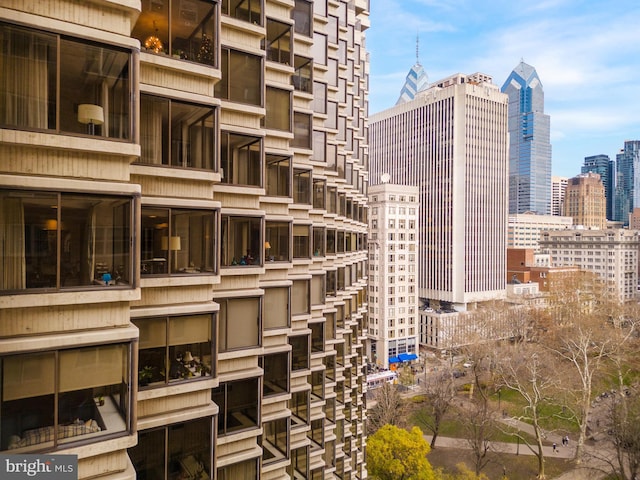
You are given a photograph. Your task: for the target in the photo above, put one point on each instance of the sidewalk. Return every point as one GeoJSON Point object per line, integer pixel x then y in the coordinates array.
{"type": "Point", "coordinates": [503, 447]}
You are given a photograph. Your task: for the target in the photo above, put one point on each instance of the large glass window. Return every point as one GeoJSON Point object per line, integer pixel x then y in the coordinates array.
{"type": "Point", "coordinates": [241, 241]}
{"type": "Point", "coordinates": [319, 234]}
{"type": "Point", "coordinates": [299, 467]}
{"type": "Point", "coordinates": [303, 76]}
{"type": "Point", "coordinates": [275, 441]}
{"type": "Point", "coordinates": [276, 307]}
{"type": "Point", "coordinates": [278, 110]}
{"type": "Point", "coordinates": [239, 324]}
{"type": "Point", "coordinates": [299, 406]}
{"type": "Point", "coordinates": [177, 241]}
{"type": "Point", "coordinates": [246, 470]}
{"type": "Point", "coordinates": [278, 42]}
{"type": "Point", "coordinates": [177, 134]}
{"type": "Point", "coordinates": [240, 159]}
{"type": "Point", "coordinates": [278, 239]}
{"type": "Point", "coordinates": [331, 241]}
{"type": "Point", "coordinates": [245, 10]}
{"type": "Point", "coordinates": [319, 146]}
{"type": "Point", "coordinates": [53, 398]}
{"type": "Point", "coordinates": [278, 175]}
{"type": "Point", "coordinates": [241, 77]}
{"type": "Point", "coordinates": [301, 186]}
{"type": "Point", "coordinates": [174, 349]}
{"type": "Point", "coordinates": [317, 336]}
{"type": "Point", "coordinates": [319, 193]}
{"type": "Point", "coordinates": [184, 30]}
{"type": "Point", "coordinates": [319, 97]}
{"type": "Point", "coordinates": [46, 78]}
{"type": "Point", "coordinates": [276, 368]}
{"type": "Point", "coordinates": [301, 130]}
{"type": "Point", "coordinates": [302, 15]}
{"type": "Point", "coordinates": [300, 352]}
{"type": "Point", "coordinates": [239, 403]}
{"type": "Point", "coordinates": [63, 240]}
{"type": "Point", "coordinates": [301, 241]}
{"type": "Point", "coordinates": [300, 292]}
{"type": "Point", "coordinates": [182, 450]}
{"type": "Point", "coordinates": [318, 289]}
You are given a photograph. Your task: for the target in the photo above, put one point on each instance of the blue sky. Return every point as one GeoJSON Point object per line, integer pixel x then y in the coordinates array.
{"type": "Point", "coordinates": [586, 53]}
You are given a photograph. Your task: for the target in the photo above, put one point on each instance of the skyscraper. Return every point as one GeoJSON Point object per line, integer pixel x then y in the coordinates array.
{"type": "Point", "coordinates": [603, 166]}
{"type": "Point", "coordinates": [184, 236]}
{"type": "Point", "coordinates": [416, 80]}
{"type": "Point", "coordinates": [451, 141]}
{"type": "Point", "coordinates": [627, 168]}
{"type": "Point", "coordinates": [529, 143]}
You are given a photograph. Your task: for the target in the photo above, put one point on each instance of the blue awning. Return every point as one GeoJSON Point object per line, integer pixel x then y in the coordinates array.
{"type": "Point", "coordinates": [407, 357]}
{"type": "Point", "coordinates": [394, 360]}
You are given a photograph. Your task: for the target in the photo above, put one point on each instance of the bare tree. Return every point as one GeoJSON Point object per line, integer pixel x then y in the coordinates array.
{"type": "Point", "coordinates": [588, 333]}
{"type": "Point", "coordinates": [584, 348]}
{"type": "Point", "coordinates": [440, 390]}
{"type": "Point", "coordinates": [481, 429]}
{"type": "Point", "coordinates": [528, 371]}
{"type": "Point", "coordinates": [622, 460]}
{"type": "Point", "coordinates": [387, 407]}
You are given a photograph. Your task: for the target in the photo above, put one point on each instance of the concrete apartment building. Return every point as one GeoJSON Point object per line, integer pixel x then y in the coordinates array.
{"type": "Point", "coordinates": [524, 228]}
{"type": "Point", "coordinates": [612, 254]}
{"type": "Point", "coordinates": [451, 141]}
{"type": "Point", "coordinates": [585, 201]}
{"type": "Point", "coordinates": [183, 216]}
{"type": "Point", "coordinates": [393, 290]}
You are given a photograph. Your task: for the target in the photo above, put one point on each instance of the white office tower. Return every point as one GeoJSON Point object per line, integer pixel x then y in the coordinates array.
{"type": "Point", "coordinates": [393, 297]}
{"type": "Point", "coordinates": [452, 142]}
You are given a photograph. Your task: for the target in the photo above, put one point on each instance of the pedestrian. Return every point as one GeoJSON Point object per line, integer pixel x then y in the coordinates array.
{"type": "Point", "coordinates": [555, 448]}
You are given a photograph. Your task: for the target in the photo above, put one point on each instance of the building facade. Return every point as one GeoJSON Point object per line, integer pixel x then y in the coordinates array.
{"type": "Point", "coordinates": [451, 141]}
{"type": "Point", "coordinates": [558, 187]}
{"type": "Point", "coordinates": [627, 195]}
{"type": "Point", "coordinates": [184, 220]}
{"type": "Point", "coordinates": [611, 254]}
{"type": "Point", "coordinates": [393, 287]}
{"type": "Point", "coordinates": [585, 201]}
{"type": "Point", "coordinates": [529, 143]}
{"type": "Point", "coordinates": [605, 167]}
{"type": "Point", "coordinates": [525, 228]}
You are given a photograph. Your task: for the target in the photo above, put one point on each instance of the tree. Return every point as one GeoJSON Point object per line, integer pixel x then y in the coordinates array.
{"type": "Point", "coordinates": [387, 407]}
{"type": "Point", "coordinates": [481, 428]}
{"type": "Point", "coordinates": [440, 390]}
{"type": "Point", "coordinates": [397, 454]}
{"type": "Point", "coordinates": [463, 473]}
{"type": "Point", "coordinates": [529, 371]}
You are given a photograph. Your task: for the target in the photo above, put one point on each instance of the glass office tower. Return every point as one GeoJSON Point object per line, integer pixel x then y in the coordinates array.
{"type": "Point", "coordinates": [529, 144]}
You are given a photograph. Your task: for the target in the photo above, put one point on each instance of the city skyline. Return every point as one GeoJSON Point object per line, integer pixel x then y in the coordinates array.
{"type": "Point", "coordinates": [582, 52]}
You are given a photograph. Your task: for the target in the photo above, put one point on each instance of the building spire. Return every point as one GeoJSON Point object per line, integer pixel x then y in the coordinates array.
{"type": "Point", "coordinates": [417, 49]}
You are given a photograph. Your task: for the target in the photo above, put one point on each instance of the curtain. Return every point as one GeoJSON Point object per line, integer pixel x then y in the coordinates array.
{"type": "Point", "coordinates": [151, 139]}
{"type": "Point", "coordinates": [23, 80]}
{"type": "Point", "coordinates": [91, 246]}
{"type": "Point", "coordinates": [12, 241]}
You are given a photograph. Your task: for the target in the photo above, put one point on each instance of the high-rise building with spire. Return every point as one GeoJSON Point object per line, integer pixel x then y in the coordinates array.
{"type": "Point", "coordinates": [529, 143]}
{"type": "Point", "coordinates": [416, 81]}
